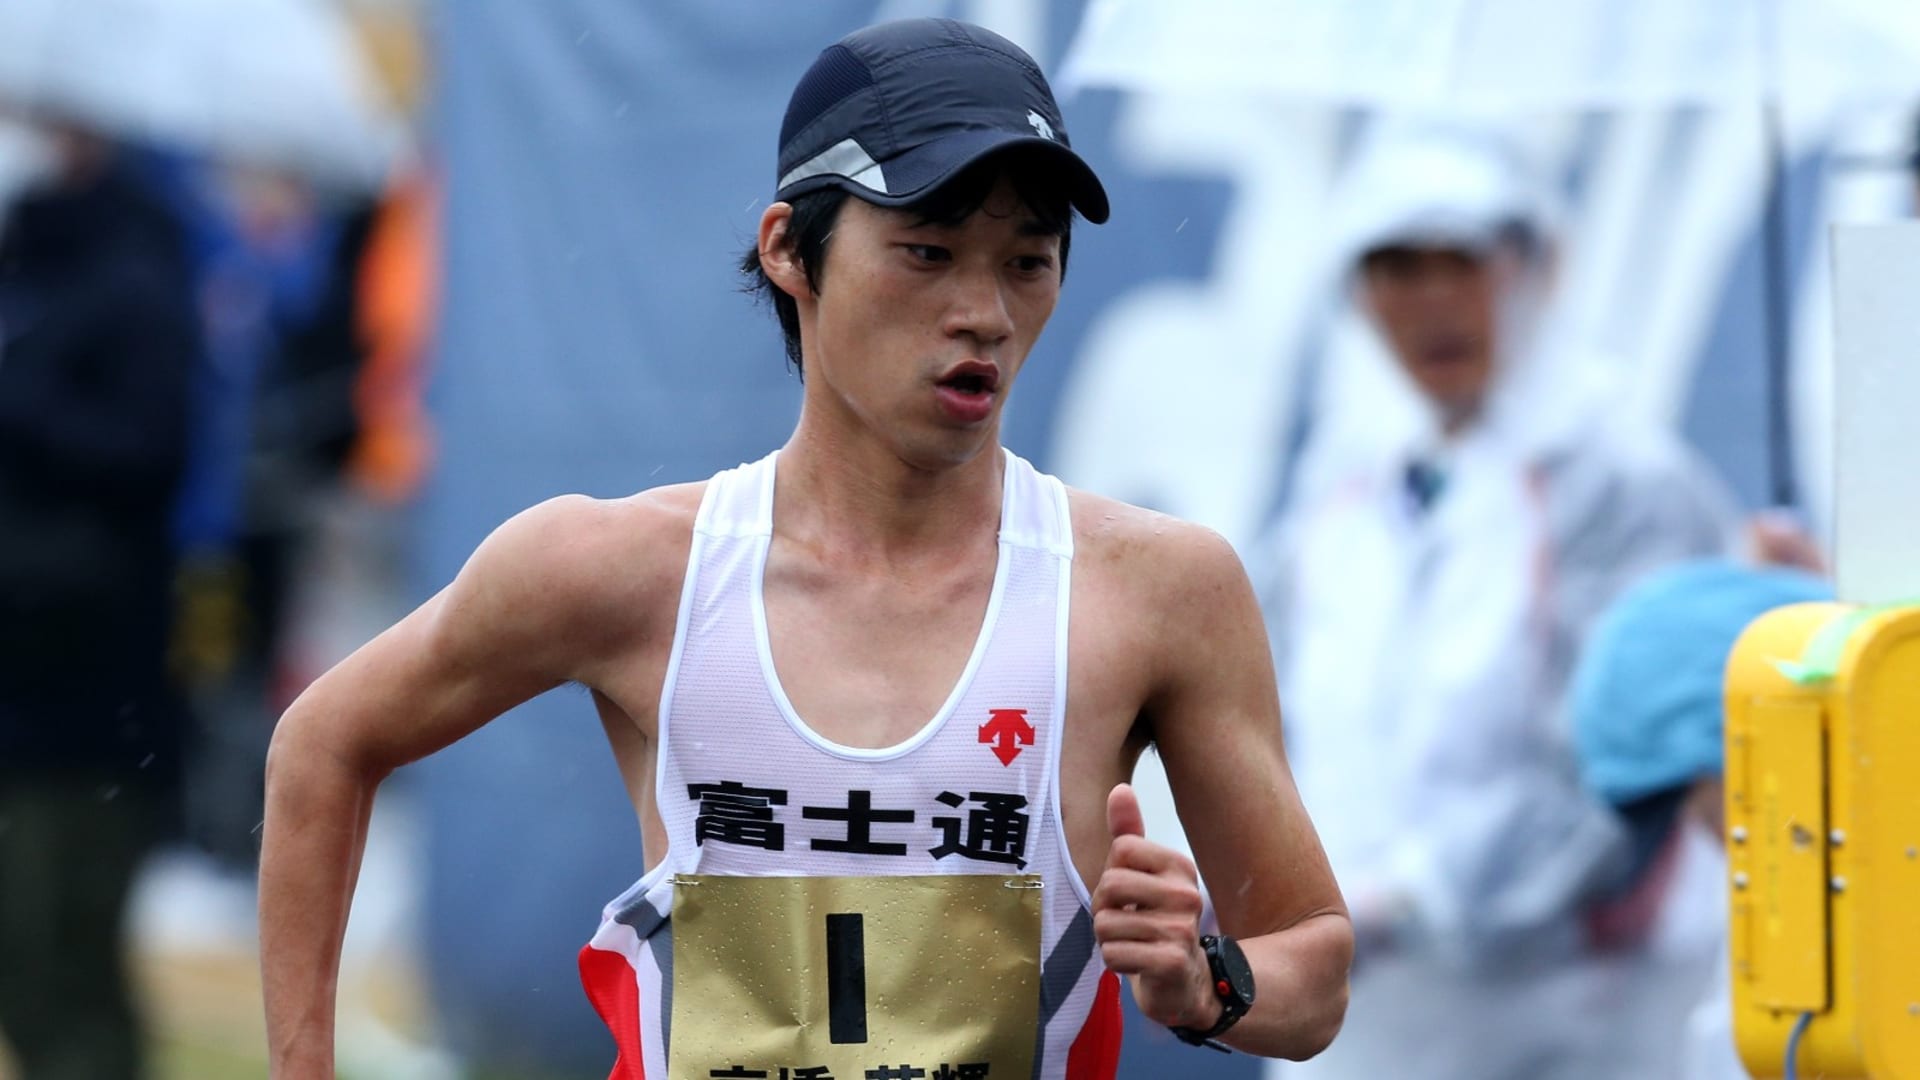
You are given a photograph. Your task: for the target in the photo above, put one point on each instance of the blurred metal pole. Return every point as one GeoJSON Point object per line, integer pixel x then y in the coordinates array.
{"type": "Point", "coordinates": [1777, 250]}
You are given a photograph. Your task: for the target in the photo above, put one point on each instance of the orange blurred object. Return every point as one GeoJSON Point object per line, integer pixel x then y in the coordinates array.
{"type": "Point", "coordinates": [399, 294]}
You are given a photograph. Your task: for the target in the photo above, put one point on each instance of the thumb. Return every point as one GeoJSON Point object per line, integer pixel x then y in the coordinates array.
{"type": "Point", "coordinates": [1123, 812]}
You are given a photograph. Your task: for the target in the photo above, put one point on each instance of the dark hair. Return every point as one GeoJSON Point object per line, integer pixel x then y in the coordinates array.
{"type": "Point", "coordinates": [1520, 237]}
{"type": "Point", "coordinates": [815, 214]}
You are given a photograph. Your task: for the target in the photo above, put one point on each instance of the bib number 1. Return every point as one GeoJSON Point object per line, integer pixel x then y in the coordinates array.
{"type": "Point", "coordinates": [846, 978]}
{"type": "Point", "coordinates": [854, 976]}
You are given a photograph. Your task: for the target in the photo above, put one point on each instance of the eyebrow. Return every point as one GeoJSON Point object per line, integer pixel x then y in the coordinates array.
{"type": "Point", "coordinates": [1028, 226]}
{"type": "Point", "coordinates": [1036, 227]}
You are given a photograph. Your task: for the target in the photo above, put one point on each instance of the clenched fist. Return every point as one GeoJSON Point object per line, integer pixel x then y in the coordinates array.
{"type": "Point", "coordinates": [1146, 917]}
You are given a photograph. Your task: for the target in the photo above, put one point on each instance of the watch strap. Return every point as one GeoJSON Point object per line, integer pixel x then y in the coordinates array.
{"type": "Point", "coordinates": [1232, 1005]}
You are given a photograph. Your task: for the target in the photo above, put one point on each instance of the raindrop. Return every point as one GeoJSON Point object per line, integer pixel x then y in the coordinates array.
{"type": "Point", "coordinates": [146, 761]}
{"type": "Point", "coordinates": [656, 470]}
{"type": "Point", "coordinates": [1182, 225]}
{"type": "Point", "coordinates": [111, 793]}
{"type": "Point", "coordinates": [582, 39]}
{"type": "Point", "coordinates": [620, 110]}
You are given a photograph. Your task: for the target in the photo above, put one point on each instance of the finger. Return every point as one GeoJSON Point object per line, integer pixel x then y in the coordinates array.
{"type": "Point", "coordinates": [1118, 924]}
{"type": "Point", "coordinates": [1140, 853]}
{"type": "Point", "coordinates": [1124, 957]}
{"type": "Point", "coordinates": [1114, 924]}
{"type": "Point", "coordinates": [1151, 959]}
{"type": "Point", "coordinates": [1122, 887]}
{"type": "Point", "coordinates": [1123, 812]}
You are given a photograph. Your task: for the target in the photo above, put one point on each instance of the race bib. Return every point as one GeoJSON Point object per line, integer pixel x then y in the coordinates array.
{"type": "Point", "coordinates": [855, 978]}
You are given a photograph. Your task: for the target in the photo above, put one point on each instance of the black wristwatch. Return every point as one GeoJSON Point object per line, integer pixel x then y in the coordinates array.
{"type": "Point", "coordinates": [1232, 984]}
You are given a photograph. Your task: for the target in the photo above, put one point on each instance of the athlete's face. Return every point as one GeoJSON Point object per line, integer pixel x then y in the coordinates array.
{"type": "Point", "coordinates": [919, 330]}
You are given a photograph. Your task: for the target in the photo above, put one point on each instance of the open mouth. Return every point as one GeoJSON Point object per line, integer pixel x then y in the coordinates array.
{"type": "Point", "coordinates": [1450, 350]}
{"type": "Point", "coordinates": [967, 392]}
{"type": "Point", "coordinates": [971, 378]}
{"type": "Point", "coordinates": [969, 384]}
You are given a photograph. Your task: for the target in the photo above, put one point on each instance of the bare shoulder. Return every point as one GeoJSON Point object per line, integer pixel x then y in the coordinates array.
{"type": "Point", "coordinates": [583, 527]}
{"type": "Point", "coordinates": [1154, 560]}
{"type": "Point", "coordinates": [583, 567]}
{"type": "Point", "coordinates": [572, 535]}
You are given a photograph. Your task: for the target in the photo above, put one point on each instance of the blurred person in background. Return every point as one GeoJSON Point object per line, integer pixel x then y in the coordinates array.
{"type": "Point", "coordinates": [1647, 709]}
{"type": "Point", "coordinates": [276, 263]}
{"type": "Point", "coordinates": [97, 341]}
{"type": "Point", "coordinates": [1433, 583]}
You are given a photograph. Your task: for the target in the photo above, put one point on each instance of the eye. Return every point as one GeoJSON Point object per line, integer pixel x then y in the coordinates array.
{"type": "Point", "coordinates": [929, 253]}
{"type": "Point", "coordinates": [1033, 264]}
{"type": "Point", "coordinates": [1396, 265]}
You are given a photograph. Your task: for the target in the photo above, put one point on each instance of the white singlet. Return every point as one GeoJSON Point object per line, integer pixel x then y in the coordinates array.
{"type": "Point", "coordinates": [775, 832]}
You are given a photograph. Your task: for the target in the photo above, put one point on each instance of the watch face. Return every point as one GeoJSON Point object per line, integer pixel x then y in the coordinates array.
{"type": "Point", "coordinates": [1239, 973]}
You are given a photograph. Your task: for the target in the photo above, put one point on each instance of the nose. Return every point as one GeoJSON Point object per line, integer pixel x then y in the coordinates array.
{"type": "Point", "coordinates": [978, 308]}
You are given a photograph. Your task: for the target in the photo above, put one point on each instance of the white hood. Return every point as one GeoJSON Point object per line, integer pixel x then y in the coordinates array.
{"type": "Point", "coordinates": [1427, 183]}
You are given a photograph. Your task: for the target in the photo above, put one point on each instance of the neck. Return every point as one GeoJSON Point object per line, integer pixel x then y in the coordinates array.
{"type": "Point", "coordinates": [856, 496]}
{"type": "Point", "coordinates": [1456, 420]}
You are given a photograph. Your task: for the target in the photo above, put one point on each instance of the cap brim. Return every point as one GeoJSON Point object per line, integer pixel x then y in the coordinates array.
{"type": "Point", "coordinates": [1479, 240]}
{"type": "Point", "coordinates": [911, 175]}
{"type": "Point", "coordinates": [1478, 234]}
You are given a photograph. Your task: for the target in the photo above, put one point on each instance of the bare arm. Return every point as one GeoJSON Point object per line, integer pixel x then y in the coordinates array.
{"type": "Point", "coordinates": [1215, 717]}
{"type": "Point", "coordinates": [526, 614]}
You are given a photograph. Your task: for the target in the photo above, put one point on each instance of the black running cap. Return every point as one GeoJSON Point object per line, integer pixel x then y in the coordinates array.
{"type": "Point", "coordinates": [893, 111]}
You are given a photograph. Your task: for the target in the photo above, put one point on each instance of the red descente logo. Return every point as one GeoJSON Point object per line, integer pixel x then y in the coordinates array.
{"type": "Point", "coordinates": [1007, 732]}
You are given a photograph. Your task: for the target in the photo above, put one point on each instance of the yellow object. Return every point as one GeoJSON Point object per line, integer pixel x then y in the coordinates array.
{"type": "Point", "coordinates": [1823, 840]}
{"type": "Point", "coordinates": [846, 976]}
{"type": "Point", "coordinates": [210, 619]}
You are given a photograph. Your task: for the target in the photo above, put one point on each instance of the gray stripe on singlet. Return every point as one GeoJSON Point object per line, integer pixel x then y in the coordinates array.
{"type": "Point", "coordinates": [1059, 975]}
{"type": "Point", "coordinates": [639, 914]}
{"type": "Point", "coordinates": [653, 927]}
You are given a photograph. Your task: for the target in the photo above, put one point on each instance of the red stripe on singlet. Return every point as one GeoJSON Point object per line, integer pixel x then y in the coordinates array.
{"type": "Point", "coordinates": [615, 994]}
{"type": "Point", "coordinates": [1095, 1054]}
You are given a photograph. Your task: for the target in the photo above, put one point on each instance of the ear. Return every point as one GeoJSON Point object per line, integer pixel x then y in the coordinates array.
{"type": "Point", "coordinates": [779, 258]}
